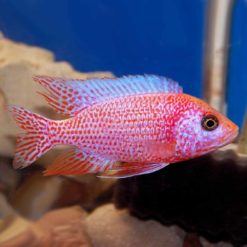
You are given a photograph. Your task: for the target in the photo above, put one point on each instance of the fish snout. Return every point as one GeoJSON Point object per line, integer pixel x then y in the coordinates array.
{"type": "Point", "coordinates": [232, 131]}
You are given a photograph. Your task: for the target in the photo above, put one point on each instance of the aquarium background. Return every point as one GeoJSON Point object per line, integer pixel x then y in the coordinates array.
{"type": "Point", "coordinates": [124, 37]}
{"type": "Point", "coordinates": [237, 72]}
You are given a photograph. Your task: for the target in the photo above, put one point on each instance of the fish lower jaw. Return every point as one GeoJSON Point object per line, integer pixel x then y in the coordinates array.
{"type": "Point", "coordinates": [224, 142]}
{"type": "Point", "coordinates": [228, 139]}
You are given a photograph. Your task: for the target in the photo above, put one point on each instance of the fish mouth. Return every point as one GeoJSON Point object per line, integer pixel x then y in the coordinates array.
{"type": "Point", "coordinates": [230, 137]}
{"type": "Point", "coordinates": [227, 139]}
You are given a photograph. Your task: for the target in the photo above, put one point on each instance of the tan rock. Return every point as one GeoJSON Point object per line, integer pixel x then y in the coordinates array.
{"type": "Point", "coordinates": [90, 190]}
{"type": "Point", "coordinates": [65, 227]}
{"type": "Point", "coordinates": [38, 194]}
{"type": "Point", "coordinates": [58, 228]}
{"type": "Point", "coordinates": [18, 63]}
{"type": "Point", "coordinates": [39, 60]}
{"type": "Point", "coordinates": [5, 208]}
{"type": "Point", "coordinates": [109, 227]}
{"type": "Point", "coordinates": [206, 243]}
{"type": "Point", "coordinates": [12, 228]}
{"type": "Point", "coordinates": [9, 178]}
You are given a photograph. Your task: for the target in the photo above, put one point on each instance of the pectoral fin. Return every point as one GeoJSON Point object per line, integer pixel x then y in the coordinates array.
{"type": "Point", "coordinates": [161, 149]}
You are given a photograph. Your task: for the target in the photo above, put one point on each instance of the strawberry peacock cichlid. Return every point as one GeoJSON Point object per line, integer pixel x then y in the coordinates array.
{"type": "Point", "coordinates": [119, 127]}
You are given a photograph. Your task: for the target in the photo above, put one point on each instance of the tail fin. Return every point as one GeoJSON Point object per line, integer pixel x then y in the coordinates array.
{"type": "Point", "coordinates": [35, 141]}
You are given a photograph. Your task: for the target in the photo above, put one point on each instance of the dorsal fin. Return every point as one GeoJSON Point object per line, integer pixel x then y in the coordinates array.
{"type": "Point", "coordinates": [70, 96]}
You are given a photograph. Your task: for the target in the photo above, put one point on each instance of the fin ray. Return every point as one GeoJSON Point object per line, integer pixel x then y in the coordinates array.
{"type": "Point", "coordinates": [124, 170]}
{"type": "Point", "coordinates": [71, 96]}
{"type": "Point", "coordinates": [76, 162]}
{"type": "Point", "coordinates": [35, 142]}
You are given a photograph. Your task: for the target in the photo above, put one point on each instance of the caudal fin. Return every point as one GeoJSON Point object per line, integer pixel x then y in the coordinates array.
{"type": "Point", "coordinates": [35, 141]}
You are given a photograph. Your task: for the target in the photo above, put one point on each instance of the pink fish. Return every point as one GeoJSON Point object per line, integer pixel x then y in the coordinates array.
{"type": "Point", "coordinates": [119, 127]}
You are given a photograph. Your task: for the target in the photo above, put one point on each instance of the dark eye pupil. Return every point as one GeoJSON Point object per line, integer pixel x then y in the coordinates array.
{"type": "Point", "coordinates": [210, 122]}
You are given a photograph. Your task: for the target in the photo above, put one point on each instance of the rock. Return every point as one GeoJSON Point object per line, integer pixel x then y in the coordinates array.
{"type": "Point", "coordinates": [5, 208]}
{"type": "Point", "coordinates": [9, 178]}
{"type": "Point", "coordinates": [12, 229]}
{"type": "Point", "coordinates": [37, 194]}
{"type": "Point", "coordinates": [18, 63]}
{"type": "Point", "coordinates": [2, 99]}
{"type": "Point", "coordinates": [109, 227]}
{"type": "Point", "coordinates": [65, 227]}
{"type": "Point", "coordinates": [93, 191]}
{"type": "Point", "coordinates": [206, 243]}
{"type": "Point", "coordinates": [192, 240]}
{"type": "Point", "coordinates": [206, 196]}
{"type": "Point", "coordinates": [57, 228]}
{"type": "Point", "coordinates": [39, 60]}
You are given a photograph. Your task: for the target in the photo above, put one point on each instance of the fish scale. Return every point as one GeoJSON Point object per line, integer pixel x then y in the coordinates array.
{"type": "Point", "coordinates": [119, 127]}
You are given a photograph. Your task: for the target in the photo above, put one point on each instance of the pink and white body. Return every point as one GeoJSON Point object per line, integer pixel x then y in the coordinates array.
{"type": "Point", "coordinates": [120, 127]}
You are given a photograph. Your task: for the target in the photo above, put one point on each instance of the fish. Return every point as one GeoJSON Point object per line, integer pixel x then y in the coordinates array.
{"type": "Point", "coordinates": [119, 127]}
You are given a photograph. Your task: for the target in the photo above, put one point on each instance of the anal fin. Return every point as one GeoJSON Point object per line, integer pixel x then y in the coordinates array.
{"type": "Point", "coordinates": [124, 170]}
{"type": "Point", "coordinates": [76, 162]}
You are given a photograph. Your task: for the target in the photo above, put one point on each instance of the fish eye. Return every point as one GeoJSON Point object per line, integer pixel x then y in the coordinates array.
{"type": "Point", "coordinates": [210, 122]}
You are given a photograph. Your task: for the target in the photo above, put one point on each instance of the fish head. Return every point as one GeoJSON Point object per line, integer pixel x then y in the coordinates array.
{"type": "Point", "coordinates": [201, 129]}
